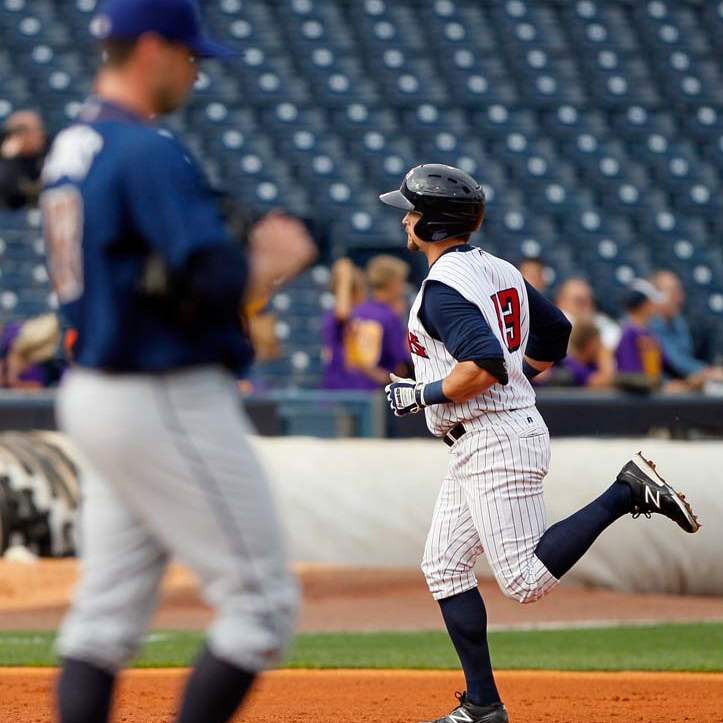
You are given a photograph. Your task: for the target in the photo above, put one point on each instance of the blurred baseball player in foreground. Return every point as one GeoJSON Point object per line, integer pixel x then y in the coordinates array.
{"type": "Point", "coordinates": [148, 276]}
{"type": "Point", "coordinates": [478, 332]}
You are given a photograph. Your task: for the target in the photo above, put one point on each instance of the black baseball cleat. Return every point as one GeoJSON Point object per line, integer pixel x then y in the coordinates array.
{"type": "Point", "coordinates": [652, 494]}
{"type": "Point", "coordinates": [467, 712]}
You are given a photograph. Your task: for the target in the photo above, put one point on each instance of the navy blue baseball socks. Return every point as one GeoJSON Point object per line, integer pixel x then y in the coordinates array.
{"type": "Point", "coordinates": [465, 617]}
{"type": "Point", "coordinates": [651, 494]}
{"type": "Point", "coordinates": [467, 712]}
{"type": "Point", "coordinates": [85, 692]}
{"type": "Point", "coordinates": [215, 689]}
{"type": "Point", "coordinates": [565, 542]}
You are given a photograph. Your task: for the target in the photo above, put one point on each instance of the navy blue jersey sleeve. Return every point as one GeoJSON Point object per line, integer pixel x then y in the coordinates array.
{"type": "Point", "coordinates": [174, 210]}
{"type": "Point", "coordinates": [458, 324]}
{"type": "Point", "coordinates": [549, 328]}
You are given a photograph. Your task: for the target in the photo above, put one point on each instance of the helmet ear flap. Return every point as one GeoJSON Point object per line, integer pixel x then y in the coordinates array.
{"type": "Point", "coordinates": [423, 231]}
{"type": "Point", "coordinates": [432, 230]}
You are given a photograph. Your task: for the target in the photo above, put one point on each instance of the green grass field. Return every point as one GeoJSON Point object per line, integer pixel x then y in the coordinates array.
{"type": "Point", "coordinates": [671, 647]}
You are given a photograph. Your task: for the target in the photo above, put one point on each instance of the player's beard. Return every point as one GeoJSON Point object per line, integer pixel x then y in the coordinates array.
{"type": "Point", "coordinates": [167, 101]}
{"type": "Point", "coordinates": [169, 98]}
{"type": "Point", "coordinates": [412, 244]}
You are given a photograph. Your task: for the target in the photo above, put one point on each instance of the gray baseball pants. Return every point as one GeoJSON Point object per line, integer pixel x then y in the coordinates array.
{"type": "Point", "coordinates": [170, 473]}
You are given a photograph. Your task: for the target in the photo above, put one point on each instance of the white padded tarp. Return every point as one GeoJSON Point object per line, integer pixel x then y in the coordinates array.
{"type": "Point", "coordinates": [369, 503]}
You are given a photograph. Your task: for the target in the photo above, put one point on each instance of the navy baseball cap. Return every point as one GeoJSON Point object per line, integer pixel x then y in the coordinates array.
{"type": "Point", "coordinates": [176, 20]}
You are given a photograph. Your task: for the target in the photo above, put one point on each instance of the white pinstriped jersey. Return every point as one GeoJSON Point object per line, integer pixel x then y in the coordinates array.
{"type": "Point", "coordinates": [498, 289]}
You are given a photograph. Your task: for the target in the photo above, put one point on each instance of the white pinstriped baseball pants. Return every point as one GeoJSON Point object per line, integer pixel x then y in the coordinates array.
{"type": "Point", "coordinates": [171, 473]}
{"type": "Point", "coordinates": [491, 501]}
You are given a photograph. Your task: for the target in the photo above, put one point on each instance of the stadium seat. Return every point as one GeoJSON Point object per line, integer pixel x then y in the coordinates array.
{"type": "Point", "coordinates": [595, 127]}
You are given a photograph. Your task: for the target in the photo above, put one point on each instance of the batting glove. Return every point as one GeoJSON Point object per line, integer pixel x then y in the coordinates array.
{"type": "Point", "coordinates": [404, 395]}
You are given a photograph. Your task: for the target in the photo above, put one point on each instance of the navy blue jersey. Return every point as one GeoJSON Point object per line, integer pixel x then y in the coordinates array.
{"type": "Point", "coordinates": [135, 240]}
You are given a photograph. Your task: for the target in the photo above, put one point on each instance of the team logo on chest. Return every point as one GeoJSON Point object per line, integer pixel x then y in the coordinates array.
{"type": "Point", "coordinates": [415, 346]}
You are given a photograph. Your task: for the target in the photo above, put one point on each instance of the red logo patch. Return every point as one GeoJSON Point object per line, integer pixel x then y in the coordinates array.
{"type": "Point", "coordinates": [415, 347]}
{"type": "Point", "coordinates": [507, 306]}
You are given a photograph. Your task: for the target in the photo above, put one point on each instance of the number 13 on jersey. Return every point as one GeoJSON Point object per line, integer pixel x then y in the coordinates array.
{"type": "Point", "coordinates": [507, 307]}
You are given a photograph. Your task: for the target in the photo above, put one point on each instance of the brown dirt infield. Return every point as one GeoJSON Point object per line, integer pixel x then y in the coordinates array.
{"type": "Point", "coordinates": [34, 597]}
{"type": "Point", "coordinates": [399, 697]}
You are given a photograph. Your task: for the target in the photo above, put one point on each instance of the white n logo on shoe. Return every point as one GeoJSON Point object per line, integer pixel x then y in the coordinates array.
{"type": "Point", "coordinates": [460, 716]}
{"type": "Point", "coordinates": [653, 497]}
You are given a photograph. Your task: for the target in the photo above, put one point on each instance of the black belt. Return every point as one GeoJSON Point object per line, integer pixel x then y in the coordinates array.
{"type": "Point", "coordinates": [454, 434]}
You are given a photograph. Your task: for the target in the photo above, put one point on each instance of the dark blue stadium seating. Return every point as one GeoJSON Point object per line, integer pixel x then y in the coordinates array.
{"type": "Point", "coordinates": [595, 125]}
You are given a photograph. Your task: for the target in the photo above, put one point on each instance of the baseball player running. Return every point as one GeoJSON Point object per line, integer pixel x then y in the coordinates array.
{"type": "Point", "coordinates": [146, 273]}
{"type": "Point", "coordinates": [478, 333]}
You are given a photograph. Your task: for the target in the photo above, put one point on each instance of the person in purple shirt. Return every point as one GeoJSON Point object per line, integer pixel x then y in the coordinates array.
{"type": "Point", "coordinates": [349, 288]}
{"type": "Point", "coordinates": [28, 353]}
{"type": "Point", "coordinates": [582, 360]}
{"type": "Point", "coordinates": [364, 345]}
{"type": "Point", "coordinates": [639, 351]}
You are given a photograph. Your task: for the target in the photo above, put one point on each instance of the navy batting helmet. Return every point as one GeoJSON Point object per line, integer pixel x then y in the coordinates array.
{"type": "Point", "coordinates": [450, 201]}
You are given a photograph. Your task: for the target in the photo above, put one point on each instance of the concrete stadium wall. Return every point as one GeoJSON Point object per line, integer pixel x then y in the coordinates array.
{"type": "Point", "coordinates": [359, 502]}
{"type": "Point", "coordinates": [369, 502]}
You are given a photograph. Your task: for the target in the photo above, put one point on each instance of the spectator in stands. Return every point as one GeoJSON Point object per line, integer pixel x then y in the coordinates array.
{"type": "Point", "coordinates": [22, 151]}
{"type": "Point", "coordinates": [262, 331]}
{"type": "Point", "coordinates": [372, 341]}
{"type": "Point", "coordinates": [349, 289]}
{"type": "Point", "coordinates": [673, 333]}
{"type": "Point", "coordinates": [639, 352]}
{"type": "Point", "coordinates": [533, 271]}
{"type": "Point", "coordinates": [575, 299]}
{"type": "Point", "coordinates": [29, 354]}
{"type": "Point", "coordinates": [583, 357]}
